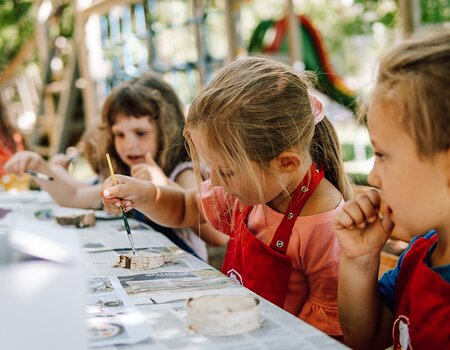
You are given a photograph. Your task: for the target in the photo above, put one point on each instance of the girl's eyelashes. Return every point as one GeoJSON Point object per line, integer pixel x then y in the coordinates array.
{"type": "Point", "coordinates": [225, 174]}
{"type": "Point", "coordinates": [138, 133]}
{"type": "Point", "coordinates": [141, 133]}
{"type": "Point", "coordinates": [379, 155]}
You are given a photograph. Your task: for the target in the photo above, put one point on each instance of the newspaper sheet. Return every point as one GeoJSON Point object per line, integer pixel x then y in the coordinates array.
{"type": "Point", "coordinates": [279, 330]}
{"type": "Point", "coordinates": [103, 263]}
{"type": "Point", "coordinates": [111, 317]}
{"type": "Point", "coordinates": [110, 235]}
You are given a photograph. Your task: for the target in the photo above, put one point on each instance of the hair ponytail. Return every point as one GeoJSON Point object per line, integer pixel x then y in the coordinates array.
{"type": "Point", "coordinates": [326, 153]}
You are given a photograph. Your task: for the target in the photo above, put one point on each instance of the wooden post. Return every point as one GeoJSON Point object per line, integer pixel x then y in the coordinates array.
{"type": "Point", "coordinates": [87, 88]}
{"type": "Point", "coordinates": [295, 53]}
{"type": "Point", "coordinates": [230, 23]}
{"type": "Point", "coordinates": [409, 16]}
{"type": "Point", "coordinates": [198, 10]}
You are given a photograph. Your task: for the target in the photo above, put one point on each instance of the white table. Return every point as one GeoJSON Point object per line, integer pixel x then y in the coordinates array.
{"type": "Point", "coordinates": [157, 297]}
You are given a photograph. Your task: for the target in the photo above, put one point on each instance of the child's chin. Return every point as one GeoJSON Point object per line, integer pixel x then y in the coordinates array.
{"type": "Point", "coordinates": [403, 234]}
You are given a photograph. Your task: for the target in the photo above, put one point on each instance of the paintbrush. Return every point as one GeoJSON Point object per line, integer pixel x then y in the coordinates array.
{"type": "Point", "coordinates": [39, 175]}
{"type": "Point", "coordinates": [125, 220]}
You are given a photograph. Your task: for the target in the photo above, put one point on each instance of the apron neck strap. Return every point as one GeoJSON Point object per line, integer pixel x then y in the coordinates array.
{"type": "Point", "coordinates": [301, 195]}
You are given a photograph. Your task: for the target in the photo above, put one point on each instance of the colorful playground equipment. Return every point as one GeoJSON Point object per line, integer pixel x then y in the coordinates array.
{"type": "Point", "coordinates": [313, 51]}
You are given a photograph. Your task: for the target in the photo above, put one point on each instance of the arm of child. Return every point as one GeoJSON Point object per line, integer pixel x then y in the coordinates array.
{"type": "Point", "coordinates": [167, 206]}
{"type": "Point", "coordinates": [362, 233]}
{"type": "Point", "coordinates": [64, 189]}
{"type": "Point", "coordinates": [185, 179]}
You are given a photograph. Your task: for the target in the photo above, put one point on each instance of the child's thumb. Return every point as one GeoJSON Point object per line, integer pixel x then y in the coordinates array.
{"type": "Point", "coordinates": [386, 221]}
{"type": "Point", "coordinates": [149, 158]}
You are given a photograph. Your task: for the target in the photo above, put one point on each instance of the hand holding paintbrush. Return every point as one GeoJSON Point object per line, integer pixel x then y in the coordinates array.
{"type": "Point", "coordinates": [125, 220]}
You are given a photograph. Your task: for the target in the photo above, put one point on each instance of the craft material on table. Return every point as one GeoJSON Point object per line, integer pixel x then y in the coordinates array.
{"type": "Point", "coordinates": [142, 261]}
{"type": "Point", "coordinates": [80, 220]}
{"type": "Point", "coordinates": [223, 315]}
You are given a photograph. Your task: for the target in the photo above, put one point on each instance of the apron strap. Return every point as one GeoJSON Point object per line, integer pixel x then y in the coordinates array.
{"type": "Point", "coordinates": [301, 195]}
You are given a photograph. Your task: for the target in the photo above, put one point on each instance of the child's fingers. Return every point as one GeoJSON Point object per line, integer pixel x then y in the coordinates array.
{"type": "Point", "coordinates": [386, 221]}
{"type": "Point", "coordinates": [343, 220]}
{"type": "Point", "coordinates": [367, 208]}
{"type": "Point", "coordinates": [149, 158]}
{"type": "Point", "coordinates": [137, 168]}
{"type": "Point", "coordinates": [374, 197]}
{"type": "Point", "coordinates": [355, 212]}
{"type": "Point", "coordinates": [110, 205]}
{"type": "Point", "coordinates": [116, 191]}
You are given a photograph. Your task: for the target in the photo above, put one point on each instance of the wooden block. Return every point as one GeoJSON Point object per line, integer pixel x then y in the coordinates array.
{"type": "Point", "coordinates": [79, 220]}
{"type": "Point", "coordinates": [141, 262]}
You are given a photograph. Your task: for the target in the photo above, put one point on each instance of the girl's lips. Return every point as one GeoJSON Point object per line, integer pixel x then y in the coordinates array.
{"type": "Point", "coordinates": [135, 159]}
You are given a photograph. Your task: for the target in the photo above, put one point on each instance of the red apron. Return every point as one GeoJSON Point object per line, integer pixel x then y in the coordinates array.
{"type": "Point", "coordinates": [422, 299]}
{"type": "Point", "coordinates": [266, 269]}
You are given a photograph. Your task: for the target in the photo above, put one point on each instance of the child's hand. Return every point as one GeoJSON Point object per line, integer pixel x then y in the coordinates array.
{"type": "Point", "coordinates": [25, 160]}
{"type": "Point", "coordinates": [360, 228]}
{"type": "Point", "coordinates": [61, 160]}
{"type": "Point", "coordinates": [128, 192]}
{"type": "Point", "coordinates": [149, 171]}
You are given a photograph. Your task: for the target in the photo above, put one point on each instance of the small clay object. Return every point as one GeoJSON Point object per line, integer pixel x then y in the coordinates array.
{"type": "Point", "coordinates": [140, 261]}
{"type": "Point", "coordinates": [79, 220]}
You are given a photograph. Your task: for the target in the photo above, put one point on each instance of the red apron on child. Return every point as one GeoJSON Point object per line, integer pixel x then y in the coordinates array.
{"type": "Point", "coordinates": [266, 269]}
{"type": "Point", "coordinates": [422, 299]}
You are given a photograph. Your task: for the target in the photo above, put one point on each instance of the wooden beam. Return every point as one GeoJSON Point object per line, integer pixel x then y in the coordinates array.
{"type": "Point", "coordinates": [102, 7]}
{"type": "Point", "coordinates": [409, 16]}
{"type": "Point", "coordinates": [22, 56]}
{"type": "Point", "coordinates": [230, 8]}
{"type": "Point", "coordinates": [295, 52]}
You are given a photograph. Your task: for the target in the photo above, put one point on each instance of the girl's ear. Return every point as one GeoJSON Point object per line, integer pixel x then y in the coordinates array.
{"type": "Point", "coordinates": [287, 162]}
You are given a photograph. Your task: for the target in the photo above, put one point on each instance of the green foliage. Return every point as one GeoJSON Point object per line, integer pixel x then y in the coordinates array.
{"type": "Point", "coordinates": [435, 11]}
{"type": "Point", "coordinates": [16, 26]}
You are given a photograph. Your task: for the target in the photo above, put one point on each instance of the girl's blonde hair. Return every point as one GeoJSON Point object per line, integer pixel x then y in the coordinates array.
{"type": "Point", "coordinates": [415, 76]}
{"type": "Point", "coordinates": [151, 97]}
{"type": "Point", "coordinates": [253, 110]}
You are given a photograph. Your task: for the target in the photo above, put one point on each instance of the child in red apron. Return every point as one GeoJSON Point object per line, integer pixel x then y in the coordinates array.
{"type": "Point", "coordinates": [408, 121]}
{"type": "Point", "coordinates": [276, 181]}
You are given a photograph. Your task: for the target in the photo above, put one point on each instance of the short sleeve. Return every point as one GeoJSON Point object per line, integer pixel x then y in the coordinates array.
{"type": "Point", "coordinates": [179, 169]}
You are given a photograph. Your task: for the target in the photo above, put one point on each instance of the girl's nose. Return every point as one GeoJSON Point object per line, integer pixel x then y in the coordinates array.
{"type": "Point", "coordinates": [373, 178]}
{"type": "Point", "coordinates": [130, 141]}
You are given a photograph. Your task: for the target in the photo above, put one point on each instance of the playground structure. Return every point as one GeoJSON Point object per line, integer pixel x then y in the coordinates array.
{"type": "Point", "coordinates": [313, 53]}
{"type": "Point", "coordinates": [116, 40]}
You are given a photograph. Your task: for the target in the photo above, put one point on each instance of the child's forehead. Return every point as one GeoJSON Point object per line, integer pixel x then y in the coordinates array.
{"type": "Point", "coordinates": [207, 152]}
{"type": "Point", "coordinates": [384, 114]}
{"type": "Point", "coordinates": [122, 118]}
{"type": "Point", "coordinates": [384, 122]}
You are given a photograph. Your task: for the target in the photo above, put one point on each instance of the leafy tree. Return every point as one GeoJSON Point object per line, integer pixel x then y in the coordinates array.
{"type": "Point", "coordinates": [17, 25]}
